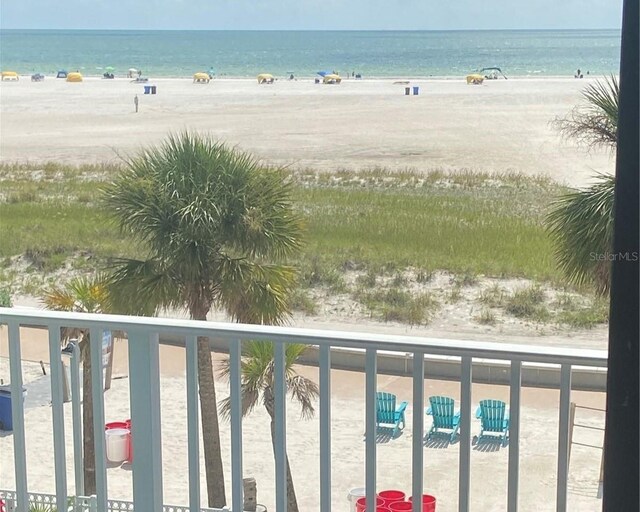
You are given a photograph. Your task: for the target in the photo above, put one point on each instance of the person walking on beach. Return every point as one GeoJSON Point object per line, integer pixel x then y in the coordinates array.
{"type": "Point", "coordinates": [135, 102]}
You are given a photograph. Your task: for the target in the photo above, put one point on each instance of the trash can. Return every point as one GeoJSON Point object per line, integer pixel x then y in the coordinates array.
{"type": "Point", "coordinates": [407, 91]}
{"type": "Point", "coordinates": [416, 90]}
{"type": "Point", "coordinates": [147, 89]}
{"type": "Point", "coordinates": [117, 441]}
{"type": "Point", "coordinates": [153, 89]}
{"type": "Point", "coordinates": [6, 414]}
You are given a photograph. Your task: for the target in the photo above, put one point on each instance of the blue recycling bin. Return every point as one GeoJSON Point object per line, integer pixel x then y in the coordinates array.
{"type": "Point", "coordinates": [147, 89]}
{"type": "Point", "coordinates": [6, 415]}
{"type": "Point", "coordinates": [416, 90]}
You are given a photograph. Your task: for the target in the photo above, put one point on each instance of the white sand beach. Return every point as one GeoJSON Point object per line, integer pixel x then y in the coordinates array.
{"type": "Point", "coordinates": [500, 126]}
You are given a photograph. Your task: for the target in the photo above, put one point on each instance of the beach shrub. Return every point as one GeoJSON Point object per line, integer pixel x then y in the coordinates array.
{"type": "Point", "coordinates": [5, 298]}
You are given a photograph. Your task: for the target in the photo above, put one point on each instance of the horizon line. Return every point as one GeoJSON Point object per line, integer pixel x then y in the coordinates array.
{"type": "Point", "coordinates": [315, 29]}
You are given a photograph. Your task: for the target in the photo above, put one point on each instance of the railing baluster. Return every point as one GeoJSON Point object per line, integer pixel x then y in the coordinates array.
{"type": "Point", "coordinates": [563, 437]}
{"type": "Point", "coordinates": [17, 411]}
{"type": "Point", "coordinates": [325, 428]}
{"type": "Point", "coordinates": [464, 478]}
{"type": "Point", "coordinates": [514, 436]}
{"type": "Point", "coordinates": [144, 393]}
{"type": "Point", "coordinates": [280, 389]}
{"type": "Point", "coordinates": [76, 412]}
{"type": "Point", "coordinates": [97, 393]}
{"type": "Point", "coordinates": [57, 414]}
{"type": "Point", "coordinates": [193, 439]}
{"type": "Point", "coordinates": [235, 385]}
{"type": "Point", "coordinates": [371, 369]}
{"type": "Point", "coordinates": [418, 430]}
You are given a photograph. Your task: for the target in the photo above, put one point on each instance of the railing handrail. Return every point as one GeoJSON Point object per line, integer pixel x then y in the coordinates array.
{"type": "Point", "coordinates": [235, 331]}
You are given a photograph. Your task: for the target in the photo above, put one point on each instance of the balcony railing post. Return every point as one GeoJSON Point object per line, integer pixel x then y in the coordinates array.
{"type": "Point", "coordinates": [280, 390]}
{"type": "Point", "coordinates": [371, 369]}
{"type": "Point", "coordinates": [193, 440]}
{"type": "Point", "coordinates": [418, 430]}
{"type": "Point", "coordinates": [17, 411]}
{"type": "Point", "coordinates": [563, 437]}
{"type": "Point", "coordinates": [97, 393]}
{"type": "Point", "coordinates": [464, 477]}
{"type": "Point", "coordinates": [325, 428]}
{"type": "Point", "coordinates": [76, 413]}
{"type": "Point", "coordinates": [57, 414]}
{"type": "Point", "coordinates": [235, 388]}
{"type": "Point", "coordinates": [514, 436]}
{"type": "Point", "coordinates": [144, 393]}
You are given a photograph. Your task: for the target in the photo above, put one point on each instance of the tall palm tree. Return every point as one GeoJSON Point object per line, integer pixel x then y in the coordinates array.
{"type": "Point", "coordinates": [82, 295]}
{"type": "Point", "coordinates": [210, 218]}
{"type": "Point", "coordinates": [581, 221]}
{"type": "Point", "coordinates": [257, 374]}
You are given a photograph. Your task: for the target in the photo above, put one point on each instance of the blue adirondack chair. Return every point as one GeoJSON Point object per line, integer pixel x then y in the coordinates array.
{"type": "Point", "coordinates": [494, 420]}
{"type": "Point", "coordinates": [445, 417]}
{"type": "Point", "coordinates": [387, 414]}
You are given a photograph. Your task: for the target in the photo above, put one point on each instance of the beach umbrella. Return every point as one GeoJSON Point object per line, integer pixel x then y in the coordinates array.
{"type": "Point", "coordinates": [324, 73]}
{"type": "Point", "coordinates": [265, 78]}
{"type": "Point", "coordinates": [109, 68]}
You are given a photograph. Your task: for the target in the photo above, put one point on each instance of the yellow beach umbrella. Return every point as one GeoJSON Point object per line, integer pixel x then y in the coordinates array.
{"type": "Point", "coordinates": [10, 75]}
{"type": "Point", "coordinates": [475, 79]}
{"type": "Point", "coordinates": [201, 77]}
{"type": "Point", "coordinates": [265, 78]}
{"type": "Point", "coordinates": [74, 77]}
{"type": "Point", "coordinates": [332, 79]}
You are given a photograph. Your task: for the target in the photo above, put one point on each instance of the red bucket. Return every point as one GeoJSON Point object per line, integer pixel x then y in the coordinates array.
{"type": "Point", "coordinates": [391, 496]}
{"type": "Point", "coordinates": [401, 506]}
{"type": "Point", "coordinates": [361, 505]}
{"type": "Point", "coordinates": [428, 503]}
{"type": "Point", "coordinates": [116, 424]}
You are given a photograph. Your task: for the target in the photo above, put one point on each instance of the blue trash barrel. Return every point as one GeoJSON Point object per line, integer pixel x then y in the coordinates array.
{"type": "Point", "coordinates": [147, 89]}
{"type": "Point", "coordinates": [416, 89]}
{"type": "Point", "coordinates": [6, 415]}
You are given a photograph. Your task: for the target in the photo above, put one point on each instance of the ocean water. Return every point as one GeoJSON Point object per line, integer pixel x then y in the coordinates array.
{"type": "Point", "coordinates": [303, 53]}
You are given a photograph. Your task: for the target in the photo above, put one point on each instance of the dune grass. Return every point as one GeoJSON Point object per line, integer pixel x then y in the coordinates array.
{"type": "Point", "coordinates": [467, 223]}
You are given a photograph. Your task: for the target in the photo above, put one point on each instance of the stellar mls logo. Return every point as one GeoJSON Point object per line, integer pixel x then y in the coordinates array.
{"type": "Point", "coordinates": [614, 256]}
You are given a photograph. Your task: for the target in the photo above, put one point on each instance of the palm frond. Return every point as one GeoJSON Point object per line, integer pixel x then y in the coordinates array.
{"type": "Point", "coordinates": [581, 226]}
{"type": "Point", "coordinates": [596, 122]}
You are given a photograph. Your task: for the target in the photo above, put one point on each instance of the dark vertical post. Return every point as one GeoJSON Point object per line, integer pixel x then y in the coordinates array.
{"type": "Point", "coordinates": [621, 436]}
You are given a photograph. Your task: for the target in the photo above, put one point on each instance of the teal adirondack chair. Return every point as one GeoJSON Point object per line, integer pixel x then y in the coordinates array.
{"type": "Point", "coordinates": [445, 417]}
{"type": "Point", "coordinates": [387, 414]}
{"type": "Point", "coordinates": [494, 420]}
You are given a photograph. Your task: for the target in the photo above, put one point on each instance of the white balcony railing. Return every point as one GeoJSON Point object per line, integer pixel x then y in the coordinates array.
{"type": "Point", "coordinates": [146, 334]}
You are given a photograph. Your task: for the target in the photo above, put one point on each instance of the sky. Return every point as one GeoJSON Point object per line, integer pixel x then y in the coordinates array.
{"type": "Point", "coordinates": [310, 14]}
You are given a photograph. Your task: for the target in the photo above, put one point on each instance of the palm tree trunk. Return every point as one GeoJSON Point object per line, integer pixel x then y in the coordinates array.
{"type": "Point", "coordinates": [292, 501]}
{"type": "Point", "coordinates": [87, 419]}
{"type": "Point", "coordinates": [210, 428]}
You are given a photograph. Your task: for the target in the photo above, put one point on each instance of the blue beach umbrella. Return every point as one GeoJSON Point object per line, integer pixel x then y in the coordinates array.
{"type": "Point", "coordinates": [324, 73]}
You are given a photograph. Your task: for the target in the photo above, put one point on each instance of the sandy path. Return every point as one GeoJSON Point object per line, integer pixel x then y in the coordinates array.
{"type": "Point", "coordinates": [499, 126]}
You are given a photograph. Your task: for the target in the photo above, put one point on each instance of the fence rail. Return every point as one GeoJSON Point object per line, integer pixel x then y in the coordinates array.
{"type": "Point", "coordinates": [145, 335]}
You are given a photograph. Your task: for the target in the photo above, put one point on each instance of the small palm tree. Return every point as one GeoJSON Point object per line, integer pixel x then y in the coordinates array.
{"type": "Point", "coordinates": [82, 295]}
{"type": "Point", "coordinates": [257, 369]}
{"type": "Point", "coordinates": [581, 222]}
{"type": "Point", "coordinates": [212, 221]}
